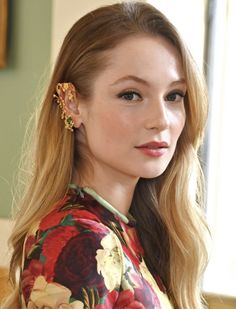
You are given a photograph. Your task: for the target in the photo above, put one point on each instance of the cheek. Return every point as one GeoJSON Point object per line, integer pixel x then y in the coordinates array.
{"type": "Point", "coordinates": [181, 124]}
{"type": "Point", "coordinates": [120, 124]}
{"type": "Point", "coordinates": [110, 128]}
{"type": "Point", "coordinates": [178, 122]}
{"type": "Point", "coordinates": [180, 118]}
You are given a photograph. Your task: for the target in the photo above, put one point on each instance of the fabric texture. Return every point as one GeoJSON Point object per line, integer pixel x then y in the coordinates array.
{"type": "Point", "coordinates": [82, 255]}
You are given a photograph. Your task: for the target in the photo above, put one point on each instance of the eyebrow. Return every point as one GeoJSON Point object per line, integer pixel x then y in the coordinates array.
{"type": "Point", "coordinates": [143, 81]}
{"type": "Point", "coordinates": [131, 77]}
{"type": "Point", "coordinates": [178, 81]}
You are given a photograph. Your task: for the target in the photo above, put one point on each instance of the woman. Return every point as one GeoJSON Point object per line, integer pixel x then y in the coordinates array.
{"type": "Point", "coordinates": [111, 216]}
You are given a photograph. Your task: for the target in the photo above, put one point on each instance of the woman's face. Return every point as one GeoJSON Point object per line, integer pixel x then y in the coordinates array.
{"type": "Point", "coordinates": [136, 114]}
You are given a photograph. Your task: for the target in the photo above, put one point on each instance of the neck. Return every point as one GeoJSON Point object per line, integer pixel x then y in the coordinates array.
{"type": "Point", "coordinates": [115, 188]}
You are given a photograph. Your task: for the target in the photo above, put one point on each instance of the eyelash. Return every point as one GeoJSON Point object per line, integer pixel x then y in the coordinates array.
{"type": "Point", "coordinates": [174, 92]}
{"type": "Point", "coordinates": [128, 93]}
{"type": "Point", "coordinates": [178, 93]}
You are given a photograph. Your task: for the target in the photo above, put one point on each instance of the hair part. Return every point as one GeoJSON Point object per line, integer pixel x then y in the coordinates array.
{"type": "Point", "coordinates": [170, 220]}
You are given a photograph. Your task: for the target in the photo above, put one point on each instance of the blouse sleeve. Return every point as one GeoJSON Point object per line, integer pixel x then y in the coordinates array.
{"type": "Point", "coordinates": [75, 264]}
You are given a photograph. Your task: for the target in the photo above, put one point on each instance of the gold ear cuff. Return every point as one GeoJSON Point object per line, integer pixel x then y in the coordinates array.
{"type": "Point", "coordinates": [61, 89]}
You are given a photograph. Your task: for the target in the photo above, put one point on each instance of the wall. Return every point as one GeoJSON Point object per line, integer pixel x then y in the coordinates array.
{"type": "Point", "coordinates": [191, 26]}
{"type": "Point", "coordinates": [62, 22]}
{"type": "Point", "coordinates": [28, 54]}
{"type": "Point", "coordinates": [221, 164]}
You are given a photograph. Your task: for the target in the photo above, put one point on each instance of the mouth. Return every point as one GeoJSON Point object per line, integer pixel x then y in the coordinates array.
{"type": "Point", "coordinates": [154, 145]}
{"type": "Point", "coordinates": [154, 149]}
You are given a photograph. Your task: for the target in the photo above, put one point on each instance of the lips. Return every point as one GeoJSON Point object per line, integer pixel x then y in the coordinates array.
{"type": "Point", "coordinates": [154, 145]}
{"type": "Point", "coordinates": [153, 149]}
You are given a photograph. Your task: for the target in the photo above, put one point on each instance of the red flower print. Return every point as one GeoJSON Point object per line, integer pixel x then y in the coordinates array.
{"type": "Point", "coordinates": [76, 266]}
{"type": "Point", "coordinates": [100, 212]}
{"type": "Point", "coordinates": [92, 225]}
{"type": "Point", "coordinates": [71, 253]}
{"type": "Point", "coordinates": [126, 301]}
{"type": "Point", "coordinates": [110, 300]}
{"type": "Point", "coordinates": [28, 277]}
{"type": "Point", "coordinates": [52, 246]}
{"type": "Point", "coordinates": [29, 244]}
{"type": "Point", "coordinates": [55, 216]}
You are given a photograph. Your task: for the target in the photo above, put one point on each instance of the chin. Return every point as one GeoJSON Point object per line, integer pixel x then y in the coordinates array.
{"type": "Point", "coordinates": [153, 170]}
{"type": "Point", "coordinates": [152, 174]}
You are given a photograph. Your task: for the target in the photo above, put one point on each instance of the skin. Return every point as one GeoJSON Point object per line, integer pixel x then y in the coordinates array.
{"type": "Point", "coordinates": [113, 123]}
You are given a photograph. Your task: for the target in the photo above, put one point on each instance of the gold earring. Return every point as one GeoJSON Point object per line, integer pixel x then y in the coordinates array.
{"type": "Point", "coordinates": [69, 123]}
{"type": "Point", "coordinates": [61, 88]}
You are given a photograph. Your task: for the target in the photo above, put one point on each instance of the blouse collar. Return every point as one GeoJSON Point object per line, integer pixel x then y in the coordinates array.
{"type": "Point", "coordinates": [100, 200]}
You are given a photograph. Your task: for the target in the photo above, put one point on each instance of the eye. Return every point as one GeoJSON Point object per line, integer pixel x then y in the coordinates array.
{"type": "Point", "coordinates": [175, 96]}
{"type": "Point", "coordinates": [130, 96]}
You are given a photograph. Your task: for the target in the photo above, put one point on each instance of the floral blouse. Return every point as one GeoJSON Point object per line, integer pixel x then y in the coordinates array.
{"type": "Point", "coordinates": [85, 254]}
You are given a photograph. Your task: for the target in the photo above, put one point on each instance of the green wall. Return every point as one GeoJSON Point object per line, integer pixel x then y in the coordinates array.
{"type": "Point", "coordinates": [28, 59]}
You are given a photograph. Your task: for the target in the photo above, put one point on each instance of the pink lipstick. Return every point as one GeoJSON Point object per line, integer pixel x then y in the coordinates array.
{"type": "Point", "coordinates": [153, 149]}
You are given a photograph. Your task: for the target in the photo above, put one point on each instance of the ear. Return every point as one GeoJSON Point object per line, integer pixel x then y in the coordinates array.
{"type": "Point", "coordinates": [70, 96]}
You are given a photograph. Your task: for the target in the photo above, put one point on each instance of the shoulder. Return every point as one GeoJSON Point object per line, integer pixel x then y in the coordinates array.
{"type": "Point", "coordinates": [73, 249]}
{"type": "Point", "coordinates": [67, 227]}
{"type": "Point", "coordinates": [67, 212]}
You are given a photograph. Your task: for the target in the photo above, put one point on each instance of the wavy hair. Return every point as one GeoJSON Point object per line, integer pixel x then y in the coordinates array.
{"type": "Point", "coordinates": [168, 209]}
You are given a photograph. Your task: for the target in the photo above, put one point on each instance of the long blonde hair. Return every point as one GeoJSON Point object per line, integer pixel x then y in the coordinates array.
{"type": "Point", "coordinates": [170, 219]}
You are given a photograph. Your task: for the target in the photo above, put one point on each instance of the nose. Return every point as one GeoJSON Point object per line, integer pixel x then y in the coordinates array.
{"type": "Point", "coordinates": [157, 116]}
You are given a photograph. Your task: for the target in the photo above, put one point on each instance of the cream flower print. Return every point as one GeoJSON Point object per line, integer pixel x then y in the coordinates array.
{"type": "Point", "coordinates": [51, 296]}
{"type": "Point", "coordinates": [109, 263]}
{"type": "Point", "coordinates": [130, 279]}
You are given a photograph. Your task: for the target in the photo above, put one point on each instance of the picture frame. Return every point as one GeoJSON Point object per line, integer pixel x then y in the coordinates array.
{"type": "Point", "coordinates": [3, 31]}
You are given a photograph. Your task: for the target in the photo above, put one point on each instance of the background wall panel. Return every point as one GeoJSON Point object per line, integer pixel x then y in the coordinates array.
{"type": "Point", "coordinates": [28, 57]}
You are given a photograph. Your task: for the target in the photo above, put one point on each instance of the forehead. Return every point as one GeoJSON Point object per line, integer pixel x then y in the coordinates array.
{"type": "Point", "coordinates": [148, 57]}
